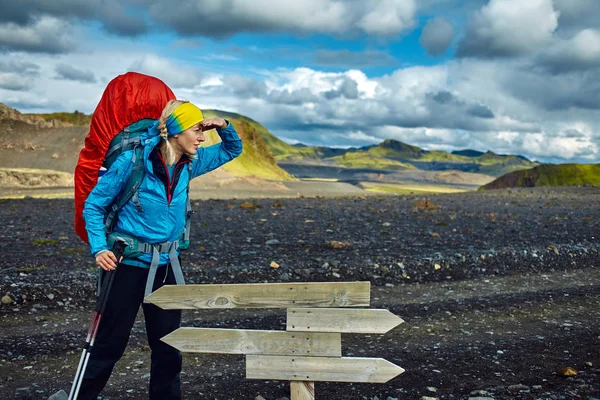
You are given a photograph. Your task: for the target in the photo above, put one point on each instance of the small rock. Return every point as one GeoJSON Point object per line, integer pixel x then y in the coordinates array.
{"type": "Point", "coordinates": [272, 242]}
{"type": "Point", "coordinates": [432, 389]}
{"type": "Point", "coordinates": [259, 397]}
{"type": "Point", "coordinates": [335, 275]}
{"type": "Point", "coordinates": [336, 244]}
{"type": "Point", "coordinates": [6, 299]}
{"type": "Point", "coordinates": [568, 371]}
{"type": "Point", "coordinates": [429, 398]}
{"type": "Point", "coordinates": [50, 296]}
{"type": "Point", "coordinates": [274, 265]}
{"type": "Point", "coordinates": [425, 205]}
{"type": "Point", "coordinates": [517, 388]}
{"type": "Point", "coordinates": [60, 395]}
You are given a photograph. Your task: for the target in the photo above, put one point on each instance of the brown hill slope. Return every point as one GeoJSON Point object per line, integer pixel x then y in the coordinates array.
{"type": "Point", "coordinates": [32, 141]}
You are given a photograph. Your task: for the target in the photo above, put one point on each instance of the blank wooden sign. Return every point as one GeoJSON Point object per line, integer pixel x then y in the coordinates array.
{"type": "Point", "coordinates": [246, 341]}
{"type": "Point", "coordinates": [343, 369]}
{"type": "Point", "coordinates": [341, 320]}
{"type": "Point", "coordinates": [262, 295]}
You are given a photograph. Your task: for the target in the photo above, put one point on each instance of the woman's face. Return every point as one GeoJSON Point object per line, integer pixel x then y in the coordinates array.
{"type": "Point", "coordinates": [189, 140]}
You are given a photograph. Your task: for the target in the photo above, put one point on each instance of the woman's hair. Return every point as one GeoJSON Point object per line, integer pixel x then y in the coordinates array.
{"type": "Point", "coordinates": [165, 147]}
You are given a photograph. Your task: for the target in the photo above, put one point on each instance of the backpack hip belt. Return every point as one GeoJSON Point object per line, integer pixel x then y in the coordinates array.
{"type": "Point", "coordinates": [135, 247]}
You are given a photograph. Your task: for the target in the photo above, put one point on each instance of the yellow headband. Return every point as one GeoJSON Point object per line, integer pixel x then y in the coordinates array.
{"type": "Point", "coordinates": [183, 117]}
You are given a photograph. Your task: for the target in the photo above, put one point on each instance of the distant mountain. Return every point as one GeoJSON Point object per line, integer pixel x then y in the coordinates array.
{"type": "Point", "coordinates": [396, 155]}
{"type": "Point", "coordinates": [549, 175]}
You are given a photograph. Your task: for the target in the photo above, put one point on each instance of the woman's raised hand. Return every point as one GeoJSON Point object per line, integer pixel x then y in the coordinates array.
{"type": "Point", "coordinates": [213, 123]}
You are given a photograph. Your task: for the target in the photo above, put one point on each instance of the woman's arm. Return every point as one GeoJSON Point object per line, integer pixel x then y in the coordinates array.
{"type": "Point", "coordinates": [102, 197]}
{"type": "Point", "coordinates": [212, 157]}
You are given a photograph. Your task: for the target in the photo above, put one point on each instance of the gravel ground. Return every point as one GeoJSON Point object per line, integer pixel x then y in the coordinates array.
{"type": "Point", "coordinates": [499, 292]}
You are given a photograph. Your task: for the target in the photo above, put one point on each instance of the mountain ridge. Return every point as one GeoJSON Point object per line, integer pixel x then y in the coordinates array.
{"type": "Point", "coordinates": [397, 155]}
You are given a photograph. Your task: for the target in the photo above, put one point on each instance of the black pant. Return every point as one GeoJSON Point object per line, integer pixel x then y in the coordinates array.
{"type": "Point", "coordinates": [124, 301]}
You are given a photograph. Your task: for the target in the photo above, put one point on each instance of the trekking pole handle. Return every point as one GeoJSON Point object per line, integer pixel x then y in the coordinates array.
{"type": "Point", "coordinates": [117, 250]}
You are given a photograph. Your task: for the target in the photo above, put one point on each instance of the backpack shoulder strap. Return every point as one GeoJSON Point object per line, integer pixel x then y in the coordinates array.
{"type": "Point", "coordinates": [130, 139]}
{"type": "Point", "coordinates": [129, 191]}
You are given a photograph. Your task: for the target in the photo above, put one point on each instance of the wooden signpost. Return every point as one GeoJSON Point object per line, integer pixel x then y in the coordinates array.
{"type": "Point", "coordinates": [308, 350]}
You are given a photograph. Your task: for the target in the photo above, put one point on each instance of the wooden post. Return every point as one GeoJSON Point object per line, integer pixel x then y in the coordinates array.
{"type": "Point", "coordinates": [302, 390]}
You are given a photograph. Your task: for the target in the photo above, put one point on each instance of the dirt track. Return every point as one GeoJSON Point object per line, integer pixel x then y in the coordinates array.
{"type": "Point", "coordinates": [499, 291]}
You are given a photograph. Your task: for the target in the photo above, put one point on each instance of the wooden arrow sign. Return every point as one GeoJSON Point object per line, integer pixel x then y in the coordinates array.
{"type": "Point", "coordinates": [344, 369]}
{"type": "Point", "coordinates": [244, 341]}
{"type": "Point", "coordinates": [341, 320]}
{"type": "Point", "coordinates": [262, 295]}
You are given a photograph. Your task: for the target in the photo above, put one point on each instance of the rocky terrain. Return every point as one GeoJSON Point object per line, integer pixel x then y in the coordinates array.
{"type": "Point", "coordinates": [499, 291]}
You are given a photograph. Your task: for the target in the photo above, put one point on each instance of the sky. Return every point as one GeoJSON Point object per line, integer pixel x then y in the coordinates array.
{"type": "Point", "coordinates": [510, 76]}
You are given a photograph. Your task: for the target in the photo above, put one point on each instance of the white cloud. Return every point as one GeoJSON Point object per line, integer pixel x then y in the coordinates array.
{"type": "Point", "coordinates": [541, 145]}
{"type": "Point", "coordinates": [506, 28]}
{"type": "Point", "coordinates": [12, 81]}
{"type": "Point", "coordinates": [44, 35]}
{"type": "Point", "coordinates": [580, 52]}
{"type": "Point", "coordinates": [174, 74]}
{"type": "Point", "coordinates": [219, 19]}
{"type": "Point", "coordinates": [388, 17]}
{"type": "Point", "coordinates": [69, 72]}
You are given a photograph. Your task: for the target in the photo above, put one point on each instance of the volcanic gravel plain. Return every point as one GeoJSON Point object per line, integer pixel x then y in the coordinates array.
{"type": "Point", "coordinates": [499, 291]}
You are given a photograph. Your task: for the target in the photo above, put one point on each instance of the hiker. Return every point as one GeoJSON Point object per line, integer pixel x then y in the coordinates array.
{"type": "Point", "coordinates": [151, 224]}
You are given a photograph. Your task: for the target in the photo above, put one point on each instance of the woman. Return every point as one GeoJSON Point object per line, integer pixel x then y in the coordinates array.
{"type": "Point", "coordinates": [154, 220]}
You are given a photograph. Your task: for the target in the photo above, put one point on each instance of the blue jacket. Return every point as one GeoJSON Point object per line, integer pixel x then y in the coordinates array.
{"type": "Point", "coordinates": [161, 220]}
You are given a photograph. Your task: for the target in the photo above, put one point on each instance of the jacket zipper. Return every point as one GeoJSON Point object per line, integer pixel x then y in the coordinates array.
{"type": "Point", "coordinates": [168, 178]}
{"type": "Point", "coordinates": [170, 181]}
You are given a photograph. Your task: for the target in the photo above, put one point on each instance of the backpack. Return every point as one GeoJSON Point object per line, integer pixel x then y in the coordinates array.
{"type": "Point", "coordinates": [129, 105]}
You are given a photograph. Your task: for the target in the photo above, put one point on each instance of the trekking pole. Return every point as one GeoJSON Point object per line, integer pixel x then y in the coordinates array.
{"type": "Point", "coordinates": [93, 329]}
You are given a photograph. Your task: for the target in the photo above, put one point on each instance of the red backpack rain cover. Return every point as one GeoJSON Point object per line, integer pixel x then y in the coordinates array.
{"type": "Point", "coordinates": [127, 99]}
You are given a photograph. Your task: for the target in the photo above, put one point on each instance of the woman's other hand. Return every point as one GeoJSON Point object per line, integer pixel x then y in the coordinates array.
{"type": "Point", "coordinates": [106, 260]}
{"type": "Point", "coordinates": [212, 123]}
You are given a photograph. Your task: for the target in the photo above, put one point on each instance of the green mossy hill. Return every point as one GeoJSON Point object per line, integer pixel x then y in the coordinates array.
{"type": "Point", "coordinates": [362, 159]}
{"type": "Point", "coordinates": [549, 175]}
{"type": "Point", "coordinates": [256, 159]}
